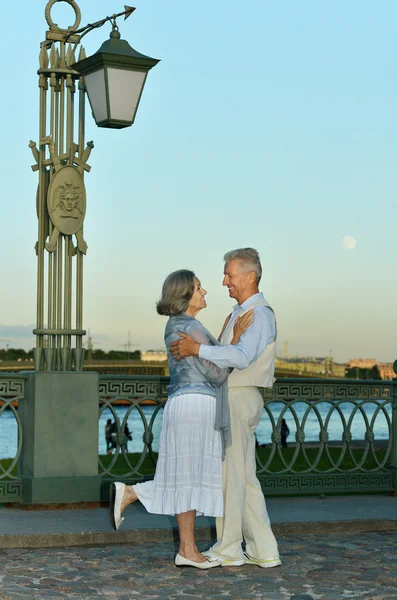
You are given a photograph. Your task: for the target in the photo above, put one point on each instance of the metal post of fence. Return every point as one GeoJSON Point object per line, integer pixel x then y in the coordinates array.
{"type": "Point", "coordinates": [394, 435]}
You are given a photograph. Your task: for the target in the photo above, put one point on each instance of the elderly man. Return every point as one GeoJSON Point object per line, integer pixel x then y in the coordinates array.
{"type": "Point", "coordinates": [253, 359]}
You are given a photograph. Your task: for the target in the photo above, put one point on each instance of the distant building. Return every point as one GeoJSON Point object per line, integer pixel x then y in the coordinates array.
{"type": "Point", "coordinates": [154, 356]}
{"type": "Point", "coordinates": [361, 363]}
{"type": "Point", "coordinates": [385, 369]}
{"type": "Point", "coordinates": [311, 366]}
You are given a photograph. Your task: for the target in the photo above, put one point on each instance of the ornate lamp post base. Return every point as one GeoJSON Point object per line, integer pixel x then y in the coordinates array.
{"type": "Point", "coordinates": [59, 416]}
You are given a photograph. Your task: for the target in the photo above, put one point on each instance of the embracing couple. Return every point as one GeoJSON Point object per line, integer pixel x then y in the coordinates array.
{"type": "Point", "coordinates": [206, 462]}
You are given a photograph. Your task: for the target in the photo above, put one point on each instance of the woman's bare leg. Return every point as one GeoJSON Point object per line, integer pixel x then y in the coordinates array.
{"type": "Point", "coordinates": [186, 522]}
{"type": "Point", "coordinates": [129, 496]}
{"type": "Point", "coordinates": [187, 544]}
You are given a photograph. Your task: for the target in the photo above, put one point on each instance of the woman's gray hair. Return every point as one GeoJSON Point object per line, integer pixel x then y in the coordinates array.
{"type": "Point", "coordinates": [177, 292]}
{"type": "Point", "coordinates": [250, 259]}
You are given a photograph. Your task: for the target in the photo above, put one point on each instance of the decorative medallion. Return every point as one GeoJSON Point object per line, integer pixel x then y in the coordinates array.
{"type": "Point", "coordinates": [66, 203]}
{"type": "Point", "coordinates": [66, 200]}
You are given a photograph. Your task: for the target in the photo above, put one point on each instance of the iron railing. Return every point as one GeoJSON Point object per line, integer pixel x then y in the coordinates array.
{"type": "Point", "coordinates": [12, 389]}
{"type": "Point", "coordinates": [343, 434]}
{"type": "Point", "coordinates": [361, 459]}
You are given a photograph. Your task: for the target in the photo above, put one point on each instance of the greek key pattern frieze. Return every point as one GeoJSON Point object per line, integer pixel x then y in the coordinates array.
{"type": "Point", "coordinates": [136, 387]}
{"type": "Point", "coordinates": [13, 387]}
{"type": "Point", "coordinates": [285, 485]}
{"type": "Point", "coordinates": [328, 389]}
{"type": "Point", "coordinates": [11, 491]}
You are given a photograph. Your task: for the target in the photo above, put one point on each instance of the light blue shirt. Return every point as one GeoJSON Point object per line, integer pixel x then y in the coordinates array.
{"type": "Point", "coordinates": [252, 343]}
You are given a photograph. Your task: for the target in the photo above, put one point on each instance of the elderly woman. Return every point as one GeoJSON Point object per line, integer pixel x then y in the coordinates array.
{"type": "Point", "coordinates": [195, 430]}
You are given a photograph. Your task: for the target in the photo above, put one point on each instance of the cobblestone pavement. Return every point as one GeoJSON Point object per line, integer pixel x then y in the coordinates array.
{"type": "Point", "coordinates": [359, 566]}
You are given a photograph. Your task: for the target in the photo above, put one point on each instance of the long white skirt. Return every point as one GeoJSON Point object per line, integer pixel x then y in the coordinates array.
{"type": "Point", "coordinates": [189, 467]}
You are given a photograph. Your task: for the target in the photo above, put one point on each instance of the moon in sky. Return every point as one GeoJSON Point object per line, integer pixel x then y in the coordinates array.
{"type": "Point", "coordinates": [349, 242]}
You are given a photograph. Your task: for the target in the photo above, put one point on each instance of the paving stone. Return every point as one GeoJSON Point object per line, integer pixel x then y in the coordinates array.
{"type": "Point", "coordinates": [360, 566]}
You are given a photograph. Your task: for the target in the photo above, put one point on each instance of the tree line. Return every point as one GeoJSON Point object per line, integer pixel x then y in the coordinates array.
{"type": "Point", "coordinates": [115, 355]}
{"type": "Point", "coordinates": [13, 354]}
{"type": "Point", "coordinates": [358, 373]}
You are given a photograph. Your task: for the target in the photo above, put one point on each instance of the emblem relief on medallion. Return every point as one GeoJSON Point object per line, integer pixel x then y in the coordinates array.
{"type": "Point", "coordinates": [66, 203]}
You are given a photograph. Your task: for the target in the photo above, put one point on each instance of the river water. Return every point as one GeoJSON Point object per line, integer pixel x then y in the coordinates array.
{"type": "Point", "coordinates": [8, 426]}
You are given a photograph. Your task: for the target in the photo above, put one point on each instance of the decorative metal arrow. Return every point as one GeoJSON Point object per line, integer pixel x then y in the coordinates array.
{"type": "Point", "coordinates": [84, 30]}
{"type": "Point", "coordinates": [128, 11]}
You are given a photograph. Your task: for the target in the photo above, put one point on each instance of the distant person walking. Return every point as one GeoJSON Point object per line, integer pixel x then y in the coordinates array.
{"type": "Point", "coordinates": [113, 433]}
{"type": "Point", "coordinates": [284, 432]}
{"type": "Point", "coordinates": [108, 436]}
{"type": "Point", "coordinates": [128, 437]}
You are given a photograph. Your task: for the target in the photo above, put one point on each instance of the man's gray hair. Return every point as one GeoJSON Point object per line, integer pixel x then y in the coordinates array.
{"type": "Point", "coordinates": [250, 259]}
{"type": "Point", "coordinates": [177, 292]}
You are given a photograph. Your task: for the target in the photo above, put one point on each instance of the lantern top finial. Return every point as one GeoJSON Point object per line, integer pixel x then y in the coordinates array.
{"type": "Point", "coordinates": [115, 34]}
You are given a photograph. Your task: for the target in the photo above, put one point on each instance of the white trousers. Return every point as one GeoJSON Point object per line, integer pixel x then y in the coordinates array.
{"type": "Point", "coordinates": [245, 515]}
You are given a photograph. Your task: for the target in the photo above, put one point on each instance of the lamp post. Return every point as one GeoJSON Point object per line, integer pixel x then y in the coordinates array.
{"type": "Point", "coordinates": [114, 78]}
{"type": "Point", "coordinates": [59, 392]}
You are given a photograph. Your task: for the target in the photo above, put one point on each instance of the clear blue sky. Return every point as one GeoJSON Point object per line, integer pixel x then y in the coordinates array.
{"type": "Point", "coordinates": [268, 124]}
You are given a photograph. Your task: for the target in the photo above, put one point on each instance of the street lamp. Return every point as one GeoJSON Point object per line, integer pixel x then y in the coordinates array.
{"type": "Point", "coordinates": [59, 411]}
{"type": "Point", "coordinates": [114, 78]}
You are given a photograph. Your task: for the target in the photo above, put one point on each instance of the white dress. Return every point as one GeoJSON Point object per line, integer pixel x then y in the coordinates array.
{"type": "Point", "coordinates": [189, 468]}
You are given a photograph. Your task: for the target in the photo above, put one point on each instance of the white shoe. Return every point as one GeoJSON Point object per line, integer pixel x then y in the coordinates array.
{"type": "Point", "coordinates": [116, 497]}
{"type": "Point", "coordinates": [224, 563]}
{"type": "Point", "coordinates": [265, 563]}
{"type": "Point", "coordinates": [180, 561]}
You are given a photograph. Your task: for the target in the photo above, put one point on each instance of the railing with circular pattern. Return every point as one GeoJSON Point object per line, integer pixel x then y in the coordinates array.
{"type": "Point", "coordinates": [133, 393]}
{"type": "Point", "coordinates": [12, 389]}
{"type": "Point", "coordinates": [343, 433]}
{"type": "Point", "coordinates": [362, 459]}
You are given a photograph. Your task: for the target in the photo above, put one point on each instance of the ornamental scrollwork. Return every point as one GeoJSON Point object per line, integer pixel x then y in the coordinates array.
{"type": "Point", "coordinates": [54, 26]}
